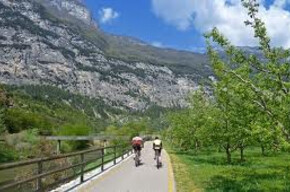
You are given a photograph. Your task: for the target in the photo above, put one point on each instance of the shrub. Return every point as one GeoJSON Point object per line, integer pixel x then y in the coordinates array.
{"type": "Point", "coordinates": [17, 119]}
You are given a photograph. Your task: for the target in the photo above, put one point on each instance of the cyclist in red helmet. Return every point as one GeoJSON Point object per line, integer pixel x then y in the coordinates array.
{"type": "Point", "coordinates": [137, 143]}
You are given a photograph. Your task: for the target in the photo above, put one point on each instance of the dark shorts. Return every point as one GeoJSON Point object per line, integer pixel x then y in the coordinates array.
{"type": "Point", "coordinates": [157, 151]}
{"type": "Point", "coordinates": [137, 147]}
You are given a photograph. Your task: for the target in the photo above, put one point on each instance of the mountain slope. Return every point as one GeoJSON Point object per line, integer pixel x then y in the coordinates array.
{"type": "Point", "coordinates": [55, 42]}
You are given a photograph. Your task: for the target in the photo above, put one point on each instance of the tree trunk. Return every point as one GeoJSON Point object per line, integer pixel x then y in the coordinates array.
{"type": "Point", "coordinates": [229, 155]}
{"type": "Point", "coordinates": [180, 144]}
{"type": "Point", "coordinates": [196, 145]}
{"type": "Point", "coordinates": [263, 150]}
{"type": "Point", "coordinates": [242, 153]}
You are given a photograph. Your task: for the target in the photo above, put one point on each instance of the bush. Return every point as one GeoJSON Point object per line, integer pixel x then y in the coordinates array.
{"type": "Point", "coordinates": [24, 144]}
{"type": "Point", "coordinates": [75, 130]}
{"type": "Point", "coordinates": [17, 120]}
{"type": "Point", "coordinates": [6, 154]}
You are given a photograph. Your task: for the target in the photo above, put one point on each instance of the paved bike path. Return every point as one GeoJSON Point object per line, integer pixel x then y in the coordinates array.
{"type": "Point", "coordinates": [128, 178]}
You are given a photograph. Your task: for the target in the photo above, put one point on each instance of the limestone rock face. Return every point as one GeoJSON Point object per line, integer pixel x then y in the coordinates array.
{"type": "Point", "coordinates": [36, 47]}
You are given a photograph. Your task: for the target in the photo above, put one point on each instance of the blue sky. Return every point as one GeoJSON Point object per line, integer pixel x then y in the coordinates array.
{"type": "Point", "coordinates": [180, 24]}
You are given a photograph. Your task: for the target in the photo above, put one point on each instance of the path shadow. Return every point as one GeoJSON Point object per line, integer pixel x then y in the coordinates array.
{"type": "Point", "coordinates": [92, 177]}
{"type": "Point", "coordinates": [159, 167]}
{"type": "Point", "coordinates": [220, 161]}
{"type": "Point", "coordinates": [141, 164]}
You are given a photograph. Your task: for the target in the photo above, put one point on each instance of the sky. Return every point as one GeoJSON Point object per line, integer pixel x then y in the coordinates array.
{"type": "Point", "coordinates": [180, 24]}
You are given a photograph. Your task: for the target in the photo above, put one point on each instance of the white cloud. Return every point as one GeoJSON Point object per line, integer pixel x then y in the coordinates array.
{"type": "Point", "coordinates": [157, 44]}
{"type": "Point", "coordinates": [281, 3]}
{"type": "Point", "coordinates": [177, 12]}
{"type": "Point", "coordinates": [198, 49]}
{"type": "Point", "coordinates": [107, 14]}
{"type": "Point", "coordinates": [227, 16]}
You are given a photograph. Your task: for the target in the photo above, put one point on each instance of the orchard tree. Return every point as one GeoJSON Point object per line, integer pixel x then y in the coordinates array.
{"type": "Point", "coordinates": [266, 79]}
{"type": "Point", "coordinates": [199, 110]}
{"type": "Point", "coordinates": [182, 129]}
{"type": "Point", "coordinates": [230, 117]}
{"type": "Point", "coordinates": [187, 126]}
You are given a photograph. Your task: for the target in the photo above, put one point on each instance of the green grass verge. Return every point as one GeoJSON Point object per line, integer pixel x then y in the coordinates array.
{"type": "Point", "coordinates": [209, 172]}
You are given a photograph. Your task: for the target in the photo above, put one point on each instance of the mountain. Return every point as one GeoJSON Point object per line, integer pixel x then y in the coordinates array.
{"type": "Point", "coordinates": [57, 43]}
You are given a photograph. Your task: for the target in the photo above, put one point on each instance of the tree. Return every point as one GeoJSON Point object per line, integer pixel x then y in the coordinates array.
{"type": "Point", "coordinates": [266, 80]}
{"type": "Point", "coordinates": [4, 102]}
{"type": "Point", "coordinates": [199, 109]}
{"type": "Point", "coordinates": [2, 125]}
{"type": "Point", "coordinates": [182, 129]}
{"type": "Point", "coordinates": [233, 116]}
{"type": "Point", "coordinates": [187, 125]}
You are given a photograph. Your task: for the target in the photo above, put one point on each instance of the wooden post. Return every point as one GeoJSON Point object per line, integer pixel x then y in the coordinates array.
{"type": "Point", "coordinates": [82, 167]}
{"type": "Point", "coordinates": [115, 155]}
{"type": "Point", "coordinates": [103, 156]}
{"type": "Point", "coordinates": [39, 171]}
{"type": "Point", "coordinates": [58, 147]}
{"type": "Point", "coordinates": [105, 145]}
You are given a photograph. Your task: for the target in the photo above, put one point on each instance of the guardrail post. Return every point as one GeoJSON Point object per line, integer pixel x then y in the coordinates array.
{"type": "Point", "coordinates": [82, 167]}
{"type": "Point", "coordinates": [123, 153]}
{"type": "Point", "coordinates": [39, 171]}
{"type": "Point", "coordinates": [115, 155]}
{"type": "Point", "coordinates": [58, 147]}
{"type": "Point", "coordinates": [103, 156]}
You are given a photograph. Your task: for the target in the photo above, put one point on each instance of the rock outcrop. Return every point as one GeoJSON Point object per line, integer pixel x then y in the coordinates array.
{"type": "Point", "coordinates": [37, 47]}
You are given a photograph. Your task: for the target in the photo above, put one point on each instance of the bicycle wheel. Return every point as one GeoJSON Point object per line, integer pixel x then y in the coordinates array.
{"type": "Point", "coordinates": [157, 160]}
{"type": "Point", "coordinates": [136, 160]}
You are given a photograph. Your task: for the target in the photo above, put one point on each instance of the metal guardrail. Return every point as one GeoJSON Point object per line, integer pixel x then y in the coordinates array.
{"type": "Point", "coordinates": [84, 138]}
{"type": "Point", "coordinates": [118, 151]}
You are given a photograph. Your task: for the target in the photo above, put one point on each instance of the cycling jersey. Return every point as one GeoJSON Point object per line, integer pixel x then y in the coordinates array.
{"type": "Point", "coordinates": [157, 144]}
{"type": "Point", "coordinates": [137, 141]}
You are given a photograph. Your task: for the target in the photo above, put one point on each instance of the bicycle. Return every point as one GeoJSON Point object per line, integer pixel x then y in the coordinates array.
{"type": "Point", "coordinates": [158, 158]}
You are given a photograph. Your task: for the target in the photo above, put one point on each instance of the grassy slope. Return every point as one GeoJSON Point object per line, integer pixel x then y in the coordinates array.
{"type": "Point", "coordinates": [208, 172]}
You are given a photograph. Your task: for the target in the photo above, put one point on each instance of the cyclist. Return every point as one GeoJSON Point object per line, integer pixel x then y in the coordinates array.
{"type": "Point", "coordinates": [157, 146]}
{"type": "Point", "coordinates": [137, 143]}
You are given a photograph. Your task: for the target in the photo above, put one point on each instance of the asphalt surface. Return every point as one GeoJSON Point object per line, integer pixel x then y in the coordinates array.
{"type": "Point", "coordinates": [128, 178]}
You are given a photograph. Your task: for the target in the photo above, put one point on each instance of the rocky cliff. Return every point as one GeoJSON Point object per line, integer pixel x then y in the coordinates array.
{"type": "Point", "coordinates": [56, 42]}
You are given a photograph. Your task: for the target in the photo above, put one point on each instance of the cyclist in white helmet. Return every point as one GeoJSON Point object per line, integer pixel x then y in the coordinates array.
{"type": "Point", "coordinates": [157, 146]}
